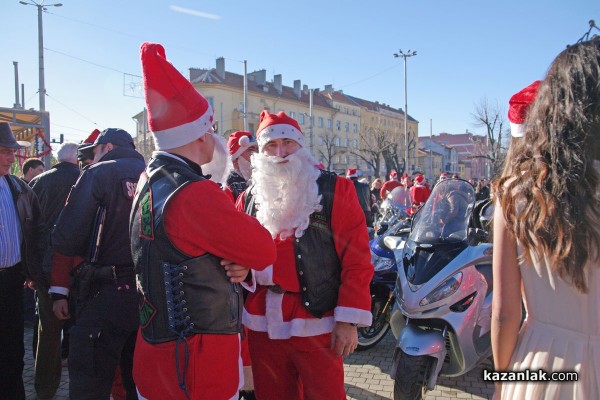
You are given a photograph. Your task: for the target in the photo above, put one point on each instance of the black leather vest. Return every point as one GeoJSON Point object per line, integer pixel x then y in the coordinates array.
{"type": "Point", "coordinates": [182, 295]}
{"type": "Point", "coordinates": [317, 264]}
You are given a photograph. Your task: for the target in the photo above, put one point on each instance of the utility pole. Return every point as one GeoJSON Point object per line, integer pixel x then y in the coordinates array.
{"type": "Point", "coordinates": [42, 89]}
{"type": "Point", "coordinates": [404, 55]}
{"type": "Point", "coordinates": [245, 96]}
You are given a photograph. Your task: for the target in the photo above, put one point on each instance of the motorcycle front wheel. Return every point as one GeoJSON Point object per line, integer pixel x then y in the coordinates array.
{"type": "Point", "coordinates": [370, 336]}
{"type": "Point", "coordinates": [410, 382]}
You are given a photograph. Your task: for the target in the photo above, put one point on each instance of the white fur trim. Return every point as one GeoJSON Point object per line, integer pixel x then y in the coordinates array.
{"type": "Point", "coordinates": [265, 277]}
{"type": "Point", "coordinates": [353, 315]}
{"type": "Point", "coordinates": [352, 176]}
{"type": "Point", "coordinates": [250, 287]}
{"type": "Point", "coordinates": [242, 149]}
{"type": "Point", "coordinates": [273, 323]}
{"type": "Point", "coordinates": [183, 134]}
{"type": "Point", "coordinates": [517, 130]}
{"type": "Point", "coordinates": [279, 131]}
{"type": "Point", "coordinates": [240, 366]}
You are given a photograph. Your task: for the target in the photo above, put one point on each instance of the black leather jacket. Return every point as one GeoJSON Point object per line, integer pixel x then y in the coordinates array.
{"type": "Point", "coordinates": [52, 189]}
{"type": "Point", "coordinates": [111, 184]}
{"type": "Point", "coordinates": [28, 209]}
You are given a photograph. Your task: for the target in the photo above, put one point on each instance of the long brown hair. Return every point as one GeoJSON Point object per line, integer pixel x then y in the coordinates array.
{"type": "Point", "coordinates": [548, 190]}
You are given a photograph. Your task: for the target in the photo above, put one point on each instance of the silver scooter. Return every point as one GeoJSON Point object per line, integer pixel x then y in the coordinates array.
{"type": "Point", "coordinates": [442, 315]}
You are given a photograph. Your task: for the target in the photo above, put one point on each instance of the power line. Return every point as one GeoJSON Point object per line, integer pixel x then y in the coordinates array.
{"type": "Point", "coordinates": [71, 109]}
{"type": "Point", "coordinates": [370, 77]}
{"type": "Point", "coordinates": [86, 61]}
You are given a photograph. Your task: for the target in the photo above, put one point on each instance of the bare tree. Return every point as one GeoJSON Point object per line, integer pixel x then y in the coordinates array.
{"type": "Point", "coordinates": [492, 118]}
{"type": "Point", "coordinates": [378, 145]}
{"type": "Point", "coordinates": [329, 149]}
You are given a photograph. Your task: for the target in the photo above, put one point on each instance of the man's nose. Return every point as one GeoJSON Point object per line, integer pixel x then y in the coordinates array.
{"type": "Point", "coordinates": [280, 152]}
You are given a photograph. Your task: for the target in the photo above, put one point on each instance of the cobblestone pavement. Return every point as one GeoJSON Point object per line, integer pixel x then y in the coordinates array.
{"type": "Point", "coordinates": [367, 377]}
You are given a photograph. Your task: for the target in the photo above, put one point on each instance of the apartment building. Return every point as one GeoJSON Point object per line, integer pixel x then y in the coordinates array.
{"type": "Point", "coordinates": [335, 133]}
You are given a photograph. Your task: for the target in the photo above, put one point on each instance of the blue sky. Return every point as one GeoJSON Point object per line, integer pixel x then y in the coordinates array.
{"type": "Point", "coordinates": [467, 50]}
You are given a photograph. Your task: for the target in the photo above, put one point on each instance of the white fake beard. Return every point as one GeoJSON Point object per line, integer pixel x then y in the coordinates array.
{"type": "Point", "coordinates": [245, 168]}
{"type": "Point", "coordinates": [220, 166]}
{"type": "Point", "coordinates": [286, 192]}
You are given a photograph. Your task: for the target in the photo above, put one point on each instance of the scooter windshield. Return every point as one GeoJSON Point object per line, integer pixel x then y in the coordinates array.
{"type": "Point", "coordinates": [445, 216]}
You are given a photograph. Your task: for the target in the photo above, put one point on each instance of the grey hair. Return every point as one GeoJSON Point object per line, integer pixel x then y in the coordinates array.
{"type": "Point", "coordinates": [67, 152]}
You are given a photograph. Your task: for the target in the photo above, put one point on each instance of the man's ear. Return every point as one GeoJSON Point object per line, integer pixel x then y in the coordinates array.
{"type": "Point", "coordinates": [109, 147]}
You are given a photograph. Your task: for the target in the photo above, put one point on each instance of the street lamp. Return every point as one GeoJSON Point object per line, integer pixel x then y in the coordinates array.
{"type": "Point", "coordinates": [42, 89]}
{"type": "Point", "coordinates": [404, 55]}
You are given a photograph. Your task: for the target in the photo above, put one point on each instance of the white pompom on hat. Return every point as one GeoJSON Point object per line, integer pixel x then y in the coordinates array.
{"type": "Point", "coordinates": [239, 142]}
{"type": "Point", "coordinates": [519, 105]}
{"type": "Point", "coordinates": [177, 113]}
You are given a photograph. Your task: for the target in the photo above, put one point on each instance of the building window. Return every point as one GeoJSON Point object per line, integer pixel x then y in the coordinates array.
{"type": "Point", "coordinates": [338, 125]}
{"type": "Point", "coordinates": [347, 126]}
{"type": "Point", "coordinates": [320, 121]}
{"type": "Point", "coordinates": [292, 114]}
{"type": "Point", "coordinates": [320, 140]}
{"type": "Point", "coordinates": [211, 101]}
{"type": "Point", "coordinates": [355, 143]}
{"type": "Point", "coordinates": [355, 128]}
{"type": "Point", "coordinates": [329, 123]}
{"type": "Point", "coordinates": [336, 141]}
{"type": "Point", "coordinates": [301, 118]}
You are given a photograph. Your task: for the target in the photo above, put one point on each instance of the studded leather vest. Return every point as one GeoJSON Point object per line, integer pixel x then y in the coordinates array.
{"type": "Point", "coordinates": [182, 295]}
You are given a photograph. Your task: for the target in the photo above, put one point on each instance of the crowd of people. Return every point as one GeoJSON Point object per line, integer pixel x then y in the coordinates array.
{"type": "Point", "coordinates": [242, 269]}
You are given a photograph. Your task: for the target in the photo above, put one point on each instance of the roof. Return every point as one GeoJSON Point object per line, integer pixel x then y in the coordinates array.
{"type": "Point", "coordinates": [22, 122]}
{"type": "Point", "coordinates": [237, 81]}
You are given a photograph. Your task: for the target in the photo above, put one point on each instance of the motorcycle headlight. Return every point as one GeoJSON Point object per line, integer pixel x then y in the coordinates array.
{"type": "Point", "coordinates": [444, 290]}
{"type": "Point", "coordinates": [384, 264]}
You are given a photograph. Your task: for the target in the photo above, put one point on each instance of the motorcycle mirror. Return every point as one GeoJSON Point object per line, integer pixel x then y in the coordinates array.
{"type": "Point", "coordinates": [393, 242]}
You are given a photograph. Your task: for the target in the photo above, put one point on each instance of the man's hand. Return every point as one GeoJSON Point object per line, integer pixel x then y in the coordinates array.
{"type": "Point", "coordinates": [235, 272]}
{"type": "Point", "coordinates": [61, 309]}
{"type": "Point", "coordinates": [344, 338]}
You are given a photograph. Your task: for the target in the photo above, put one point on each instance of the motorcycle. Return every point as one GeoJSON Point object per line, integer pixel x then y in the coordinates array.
{"type": "Point", "coordinates": [442, 315]}
{"type": "Point", "coordinates": [395, 207]}
{"type": "Point", "coordinates": [382, 287]}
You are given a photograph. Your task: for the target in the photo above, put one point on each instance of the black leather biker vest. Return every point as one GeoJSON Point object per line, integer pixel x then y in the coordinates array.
{"type": "Point", "coordinates": [317, 264]}
{"type": "Point", "coordinates": [182, 295]}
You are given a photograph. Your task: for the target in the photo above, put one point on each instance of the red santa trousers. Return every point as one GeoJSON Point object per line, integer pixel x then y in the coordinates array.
{"type": "Point", "coordinates": [214, 368]}
{"type": "Point", "coordinates": [299, 368]}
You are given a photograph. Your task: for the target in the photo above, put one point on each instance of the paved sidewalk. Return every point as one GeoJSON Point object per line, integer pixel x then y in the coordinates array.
{"type": "Point", "coordinates": [367, 377]}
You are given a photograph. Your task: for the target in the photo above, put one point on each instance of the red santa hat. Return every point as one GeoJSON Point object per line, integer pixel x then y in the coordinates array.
{"type": "Point", "coordinates": [239, 142]}
{"type": "Point", "coordinates": [177, 113]}
{"type": "Point", "coordinates": [92, 137]}
{"type": "Point", "coordinates": [419, 179]}
{"type": "Point", "coordinates": [443, 176]}
{"type": "Point", "coordinates": [352, 173]}
{"type": "Point", "coordinates": [277, 126]}
{"type": "Point", "coordinates": [394, 175]}
{"type": "Point", "coordinates": [320, 166]}
{"type": "Point", "coordinates": [519, 105]}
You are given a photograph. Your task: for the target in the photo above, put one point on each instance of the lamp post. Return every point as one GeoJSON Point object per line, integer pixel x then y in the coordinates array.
{"type": "Point", "coordinates": [42, 89]}
{"type": "Point", "coordinates": [404, 55]}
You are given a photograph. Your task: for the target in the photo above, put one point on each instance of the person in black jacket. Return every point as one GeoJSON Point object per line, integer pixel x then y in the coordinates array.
{"type": "Point", "coordinates": [20, 251]}
{"type": "Point", "coordinates": [94, 225]}
{"type": "Point", "coordinates": [52, 188]}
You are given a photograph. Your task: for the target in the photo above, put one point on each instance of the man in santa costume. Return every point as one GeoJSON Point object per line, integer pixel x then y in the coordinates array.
{"type": "Point", "coordinates": [302, 317]}
{"type": "Point", "coordinates": [188, 243]}
{"type": "Point", "coordinates": [418, 192]}
{"type": "Point", "coordinates": [390, 185]}
{"type": "Point", "coordinates": [241, 146]}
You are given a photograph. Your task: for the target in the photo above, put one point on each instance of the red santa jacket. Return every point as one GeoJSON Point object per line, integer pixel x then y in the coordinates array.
{"type": "Point", "coordinates": [282, 315]}
{"type": "Point", "coordinates": [388, 187]}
